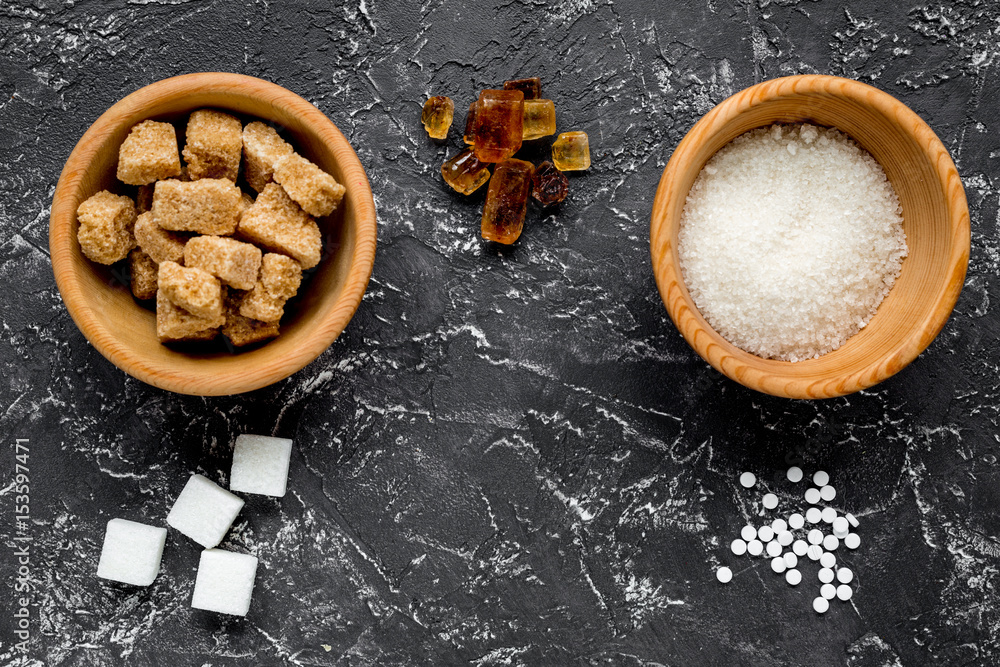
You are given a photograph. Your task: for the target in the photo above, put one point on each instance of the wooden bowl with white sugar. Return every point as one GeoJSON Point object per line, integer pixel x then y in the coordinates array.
{"type": "Point", "coordinates": [124, 332]}
{"type": "Point", "coordinates": [935, 221]}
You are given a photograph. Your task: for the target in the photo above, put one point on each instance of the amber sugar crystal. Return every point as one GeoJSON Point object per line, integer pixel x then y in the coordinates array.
{"type": "Point", "coordinates": [465, 173]}
{"type": "Point", "coordinates": [571, 151]}
{"type": "Point", "coordinates": [539, 118]}
{"type": "Point", "coordinates": [549, 186]}
{"type": "Point", "coordinates": [532, 88]}
{"type": "Point", "coordinates": [507, 201]}
{"type": "Point", "coordinates": [437, 116]}
{"type": "Point", "coordinates": [470, 124]}
{"type": "Point", "coordinates": [499, 124]}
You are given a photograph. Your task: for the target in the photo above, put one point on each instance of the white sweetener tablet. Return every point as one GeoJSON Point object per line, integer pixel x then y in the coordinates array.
{"type": "Point", "coordinates": [827, 493]}
{"type": "Point", "coordinates": [755, 547]}
{"type": "Point", "coordinates": [770, 501]}
{"type": "Point", "coordinates": [827, 560]}
{"type": "Point", "coordinates": [793, 577]}
{"type": "Point", "coordinates": [829, 591]}
{"type": "Point", "coordinates": [738, 547]}
{"type": "Point", "coordinates": [826, 575]}
{"type": "Point", "coordinates": [830, 543]}
{"type": "Point", "coordinates": [829, 515]}
{"type": "Point", "coordinates": [796, 521]}
{"type": "Point", "coordinates": [765, 534]}
{"type": "Point", "coordinates": [773, 549]}
{"type": "Point", "coordinates": [794, 474]}
{"type": "Point", "coordinates": [821, 605]}
{"type": "Point", "coordinates": [814, 515]}
{"type": "Point", "coordinates": [844, 592]}
{"type": "Point", "coordinates": [812, 495]}
{"type": "Point", "coordinates": [748, 533]}
{"type": "Point", "coordinates": [845, 575]}
{"type": "Point", "coordinates": [748, 479]}
{"type": "Point", "coordinates": [724, 574]}
{"type": "Point", "coordinates": [778, 564]}
{"type": "Point", "coordinates": [821, 478]}
{"type": "Point", "coordinates": [852, 541]}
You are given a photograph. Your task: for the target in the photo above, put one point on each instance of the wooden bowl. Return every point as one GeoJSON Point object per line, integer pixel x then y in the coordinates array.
{"type": "Point", "coordinates": [935, 219]}
{"type": "Point", "coordinates": [125, 332]}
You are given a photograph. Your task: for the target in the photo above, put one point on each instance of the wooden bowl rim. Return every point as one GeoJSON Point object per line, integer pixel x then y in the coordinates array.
{"type": "Point", "coordinates": [323, 331]}
{"type": "Point", "coordinates": [779, 378]}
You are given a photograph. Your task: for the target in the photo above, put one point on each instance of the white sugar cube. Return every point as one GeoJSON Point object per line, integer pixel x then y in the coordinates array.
{"type": "Point", "coordinates": [204, 511]}
{"type": "Point", "coordinates": [131, 552]}
{"type": "Point", "coordinates": [260, 465]}
{"type": "Point", "coordinates": [225, 582]}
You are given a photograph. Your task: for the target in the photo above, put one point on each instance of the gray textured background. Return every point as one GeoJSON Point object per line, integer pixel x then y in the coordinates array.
{"type": "Point", "coordinates": [509, 457]}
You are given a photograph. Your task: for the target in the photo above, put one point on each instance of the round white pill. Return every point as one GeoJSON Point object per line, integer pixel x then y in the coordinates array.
{"type": "Point", "coordinates": [845, 575]}
{"type": "Point", "coordinates": [765, 534]}
{"type": "Point", "coordinates": [784, 538]}
{"type": "Point", "coordinates": [829, 591]}
{"type": "Point", "coordinates": [791, 560]}
{"type": "Point", "coordinates": [815, 552]}
{"type": "Point", "coordinates": [748, 479]}
{"type": "Point", "coordinates": [827, 560]}
{"type": "Point", "coordinates": [821, 478]}
{"type": "Point", "coordinates": [724, 574]}
{"type": "Point", "coordinates": [794, 474]}
{"type": "Point", "coordinates": [770, 501]}
{"type": "Point", "coordinates": [815, 536]}
{"type": "Point", "coordinates": [796, 521]}
{"type": "Point", "coordinates": [827, 493]}
{"type": "Point", "coordinates": [778, 564]}
{"type": "Point", "coordinates": [812, 495]}
{"type": "Point", "coordinates": [852, 541]}
{"type": "Point", "coordinates": [844, 592]}
{"type": "Point", "coordinates": [799, 547]}
{"type": "Point", "coordinates": [755, 547]}
{"type": "Point", "coordinates": [853, 520]}
{"type": "Point", "coordinates": [773, 549]}
{"type": "Point", "coordinates": [738, 547]}
{"type": "Point", "coordinates": [793, 577]}
{"type": "Point", "coordinates": [748, 533]}
{"type": "Point", "coordinates": [830, 543]}
{"type": "Point", "coordinates": [779, 526]}
{"type": "Point", "coordinates": [821, 605]}
{"type": "Point", "coordinates": [814, 515]}
{"type": "Point", "coordinates": [826, 575]}
{"type": "Point", "coordinates": [829, 515]}
{"type": "Point", "coordinates": [841, 527]}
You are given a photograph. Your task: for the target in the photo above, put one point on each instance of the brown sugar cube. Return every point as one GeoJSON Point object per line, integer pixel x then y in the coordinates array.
{"type": "Point", "coordinates": [242, 330]}
{"type": "Point", "coordinates": [233, 262]}
{"type": "Point", "coordinates": [194, 290]}
{"type": "Point", "coordinates": [259, 304]}
{"type": "Point", "coordinates": [213, 145]}
{"type": "Point", "coordinates": [173, 323]}
{"type": "Point", "coordinates": [144, 198]}
{"type": "Point", "coordinates": [279, 225]}
{"type": "Point", "coordinates": [105, 231]}
{"type": "Point", "coordinates": [281, 275]}
{"type": "Point", "coordinates": [206, 206]}
{"type": "Point", "coordinates": [156, 242]}
{"type": "Point", "coordinates": [246, 201]}
{"type": "Point", "coordinates": [262, 148]}
{"type": "Point", "coordinates": [143, 272]}
{"type": "Point", "coordinates": [148, 154]}
{"type": "Point", "coordinates": [317, 192]}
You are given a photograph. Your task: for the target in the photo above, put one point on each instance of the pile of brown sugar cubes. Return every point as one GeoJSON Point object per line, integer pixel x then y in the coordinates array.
{"type": "Point", "coordinates": [497, 124]}
{"type": "Point", "coordinates": [216, 257]}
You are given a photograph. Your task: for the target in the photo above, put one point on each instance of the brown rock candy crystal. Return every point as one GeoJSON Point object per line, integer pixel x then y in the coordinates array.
{"type": "Point", "coordinates": [507, 201]}
{"type": "Point", "coordinates": [437, 116]}
{"type": "Point", "coordinates": [571, 151]}
{"type": "Point", "coordinates": [539, 118]}
{"type": "Point", "coordinates": [470, 124]}
{"type": "Point", "coordinates": [549, 185]}
{"type": "Point", "coordinates": [499, 124]}
{"type": "Point", "coordinates": [532, 88]}
{"type": "Point", "coordinates": [465, 173]}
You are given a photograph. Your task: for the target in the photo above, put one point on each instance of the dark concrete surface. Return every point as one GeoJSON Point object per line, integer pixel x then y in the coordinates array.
{"type": "Point", "coordinates": [510, 457]}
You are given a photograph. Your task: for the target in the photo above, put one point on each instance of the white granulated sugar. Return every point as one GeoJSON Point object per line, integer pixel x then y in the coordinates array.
{"type": "Point", "coordinates": [790, 238]}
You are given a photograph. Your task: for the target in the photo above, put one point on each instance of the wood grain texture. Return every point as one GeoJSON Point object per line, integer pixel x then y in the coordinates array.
{"type": "Point", "coordinates": [123, 331]}
{"type": "Point", "coordinates": [935, 219]}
